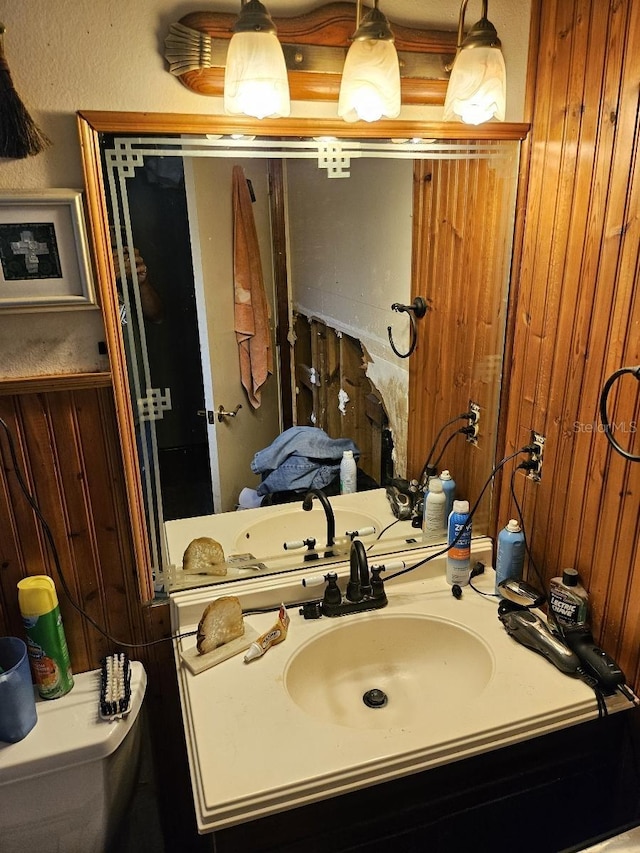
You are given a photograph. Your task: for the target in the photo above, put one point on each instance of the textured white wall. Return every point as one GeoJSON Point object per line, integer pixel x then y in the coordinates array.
{"type": "Point", "coordinates": [69, 55]}
{"type": "Point", "coordinates": [352, 283]}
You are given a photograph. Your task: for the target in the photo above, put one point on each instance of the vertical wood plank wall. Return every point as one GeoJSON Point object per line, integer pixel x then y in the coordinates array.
{"type": "Point", "coordinates": [577, 312]}
{"type": "Point", "coordinates": [461, 260]}
{"type": "Point", "coordinates": [68, 450]}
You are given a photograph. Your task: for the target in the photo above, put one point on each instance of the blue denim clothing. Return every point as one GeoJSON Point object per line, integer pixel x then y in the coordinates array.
{"type": "Point", "coordinates": [300, 458]}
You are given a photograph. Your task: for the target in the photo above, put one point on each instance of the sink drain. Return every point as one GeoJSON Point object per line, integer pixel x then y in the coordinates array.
{"type": "Point", "coordinates": [375, 698]}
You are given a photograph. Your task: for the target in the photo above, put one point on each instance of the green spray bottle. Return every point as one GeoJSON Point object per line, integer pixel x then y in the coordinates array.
{"type": "Point", "coordinates": [46, 642]}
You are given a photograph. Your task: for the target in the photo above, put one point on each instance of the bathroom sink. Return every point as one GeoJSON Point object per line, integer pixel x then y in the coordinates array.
{"type": "Point", "coordinates": [457, 686]}
{"type": "Point", "coordinates": [388, 671]}
{"type": "Point", "coordinates": [266, 536]}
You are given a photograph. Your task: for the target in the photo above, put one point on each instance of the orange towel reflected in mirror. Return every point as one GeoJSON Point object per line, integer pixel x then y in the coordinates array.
{"type": "Point", "coordinates": [251, 306]}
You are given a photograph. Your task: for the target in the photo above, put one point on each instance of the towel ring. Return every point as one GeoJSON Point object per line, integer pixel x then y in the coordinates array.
{"type": "Point", "coordinates": [604, 417]}
{"type": "Point", "coordinates": [417, 309]}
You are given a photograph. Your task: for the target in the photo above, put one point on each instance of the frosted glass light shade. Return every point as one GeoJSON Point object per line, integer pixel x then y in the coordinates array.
{"type": "Point", "coordinates": [370, 85]}
{"type": "Point", "coordinates": [255, 78]}
{"type": "Point", "coordinates": [477, 87]}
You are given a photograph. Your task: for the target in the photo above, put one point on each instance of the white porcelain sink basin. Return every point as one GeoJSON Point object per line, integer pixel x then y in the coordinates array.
{"type": "Point", "coordinates": [415, 662]}
{"type": "Point", "coordinates": [266, 536]}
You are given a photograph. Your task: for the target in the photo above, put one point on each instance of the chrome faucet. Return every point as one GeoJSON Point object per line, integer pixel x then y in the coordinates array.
{"type": "Point", "coordinates": [307, 505]}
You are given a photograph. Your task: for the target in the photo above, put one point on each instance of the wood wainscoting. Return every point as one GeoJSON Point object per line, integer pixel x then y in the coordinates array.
{"type": "Point", "coordinates": [576, 314]}
{"type": "Point", "coordinates": [69, 456]}
{"type": "Point", "coordinates": [66, 441]}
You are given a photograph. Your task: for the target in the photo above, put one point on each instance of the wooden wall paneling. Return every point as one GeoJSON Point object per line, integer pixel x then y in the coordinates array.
{"type": "Point", "coordinates": [535, 256]}
{"type": "Point", "coordinates": [305, 390]}
{"type": "Point", "coordinates": [482, 313]}
{"type": "Point", "coordinates": [561, 364]}
{"type": "Point", "coordinates": [79, 556]}
{"type": "Point", "coordinates": [424, 382]}
{"type": "Point", "coordinates": [329, 359]}
{"type": "Point", "coordinates": [68, 453]}
{"type": "Point", "coordinates": [428, 367]}
{"type": "Point", "coordinates": [595, 322]}
{"type": "Point", "coordinates": [116, 570]}
{"type": "Point", "coordinates": [21, 542]}
{"type": "Point", "coordinates": [459, 255]}
{"type": "Point", "coordinates": [537, 307]}
{"type": "Point", "coordinates": [593, 303]}
{"type": "Point", "coordinates": [577, 315]}
{"type": "Point", "coordinates": [9, 562]}
{"type": "Point", "coordinates": [379, 422]}
{"type": "Point", "coordinates": [318, 343]}
{"type": "Point", "coordinates": [430, 371]}
{"type": "Point", "coordinates": [46, 487]}
{"type": "Point", "coordinates": [355, 423]}
{"type": "Point", "coordinates": [509, 365]}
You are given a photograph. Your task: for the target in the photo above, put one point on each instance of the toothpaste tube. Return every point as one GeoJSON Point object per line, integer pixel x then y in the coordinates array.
{"type": "Point", "coordinates": [274, 636]}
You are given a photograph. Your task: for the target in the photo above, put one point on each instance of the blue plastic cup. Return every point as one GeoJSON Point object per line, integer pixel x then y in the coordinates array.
{"type": "Point", "coordinates": [17, 700]}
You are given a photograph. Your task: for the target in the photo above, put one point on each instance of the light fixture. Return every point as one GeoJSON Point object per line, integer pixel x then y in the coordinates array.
{"type": "Point", "coordinates": [477, 87]}
{"type": "Point", "coordinates": [315, 45]}
{"type": "Point", "coordinates": [255, 79]}
{"type": "Point", "coordinates": [370, 85]}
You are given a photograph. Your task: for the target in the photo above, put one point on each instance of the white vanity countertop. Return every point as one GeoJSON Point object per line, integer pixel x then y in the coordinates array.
{"type": "Point", "coordinates": [254, 751]}
{"type": "Point", "coordinates": [285, 521]}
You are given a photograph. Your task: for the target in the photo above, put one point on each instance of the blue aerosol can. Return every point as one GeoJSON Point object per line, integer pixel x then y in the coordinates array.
{"type": "Point", "coordinates": [510, 553]}
{"type": "Point", "coordinates": [449, 489]}
{"type": "Point", "coordinates": [459, 554]}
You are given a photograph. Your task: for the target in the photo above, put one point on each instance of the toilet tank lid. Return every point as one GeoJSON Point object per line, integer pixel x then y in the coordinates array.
{"type": "Point", "coordinates": [69, 730]}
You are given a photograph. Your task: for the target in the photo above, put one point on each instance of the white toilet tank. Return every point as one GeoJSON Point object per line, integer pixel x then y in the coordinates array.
{"type": "Point", "coordinates": [65, 786]}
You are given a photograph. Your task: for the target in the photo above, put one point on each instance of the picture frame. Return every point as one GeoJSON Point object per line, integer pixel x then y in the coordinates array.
{"type": "Point", "coordinates": [44, 253]}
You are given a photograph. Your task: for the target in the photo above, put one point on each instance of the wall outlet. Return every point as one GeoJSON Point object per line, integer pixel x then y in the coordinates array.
{"type": "Point", "coordinates": [537, 442]}
{"type": "Point", "coordinates": [474, 421]}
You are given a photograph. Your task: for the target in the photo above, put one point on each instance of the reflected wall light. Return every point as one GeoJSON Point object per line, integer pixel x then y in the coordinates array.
{"type": "Point", "coordinates": [477, 87]}
{"type": "Point", "coordinates": [255, 79]}
{"type": "Point", "coordinates": [370, 85]}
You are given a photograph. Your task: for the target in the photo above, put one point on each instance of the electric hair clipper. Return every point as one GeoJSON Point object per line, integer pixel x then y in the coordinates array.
{"type": "Point", "coordinates": [531, 631]}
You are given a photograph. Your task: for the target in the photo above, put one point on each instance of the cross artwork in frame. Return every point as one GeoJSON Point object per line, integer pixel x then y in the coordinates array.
{"type": "Point", "coordinates": [44, 255]}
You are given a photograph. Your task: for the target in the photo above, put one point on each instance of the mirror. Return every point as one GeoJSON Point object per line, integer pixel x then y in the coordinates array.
{"type": "Point", "coordinates": [341, 233]}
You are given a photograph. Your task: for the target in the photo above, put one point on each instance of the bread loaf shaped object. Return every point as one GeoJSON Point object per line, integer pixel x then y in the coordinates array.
{"type": "Point", "coordinates": [204, 556]}
{"type": "Point", "coordinates": [221, 622]}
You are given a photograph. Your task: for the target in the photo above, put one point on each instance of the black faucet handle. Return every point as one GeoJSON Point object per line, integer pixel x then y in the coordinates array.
{"type": "Point", "coordinates": [332, 594]}
{"type": "Point", "coordinates": [377, 584]}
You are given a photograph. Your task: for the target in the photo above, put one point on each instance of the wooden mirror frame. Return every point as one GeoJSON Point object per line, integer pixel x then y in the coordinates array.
{"type": "Point", "coordinates": [93, 123]}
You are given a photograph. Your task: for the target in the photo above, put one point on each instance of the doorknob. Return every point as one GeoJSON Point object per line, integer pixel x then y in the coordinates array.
{"type": "Point", "coordinates": [222, 414]}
